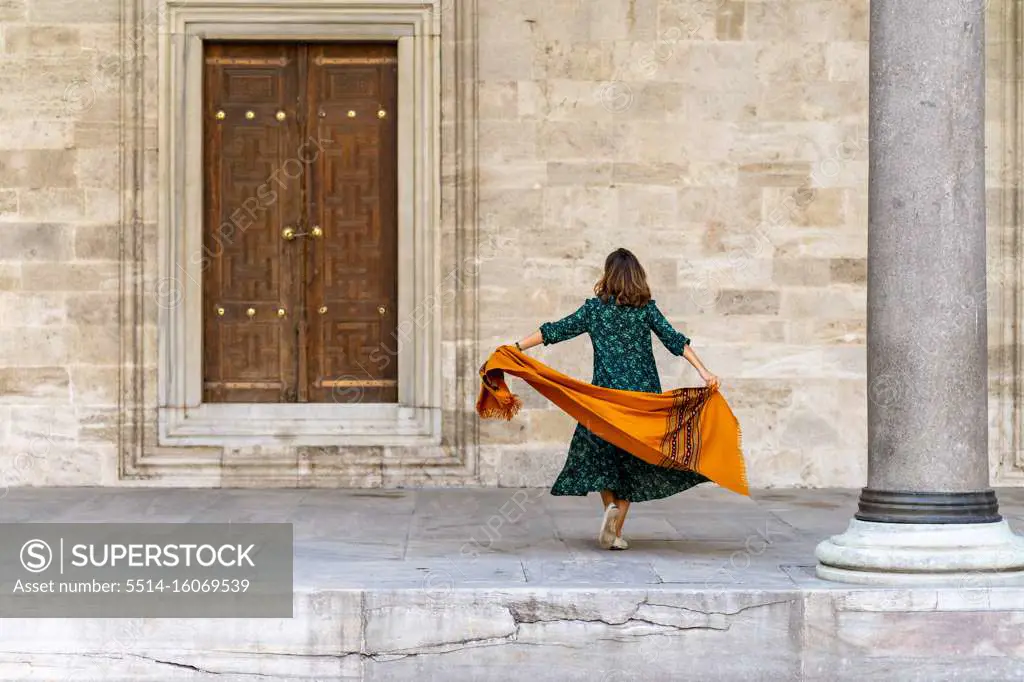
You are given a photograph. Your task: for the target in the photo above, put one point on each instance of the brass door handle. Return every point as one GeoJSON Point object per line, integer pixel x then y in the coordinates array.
{"type": "Point", "coordinates": [289, 233]}
{"type": "Point", "coordinates": [382, 309]}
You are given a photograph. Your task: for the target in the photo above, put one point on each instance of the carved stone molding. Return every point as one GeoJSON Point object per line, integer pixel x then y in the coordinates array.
{"type": "Point", "coordinates": [1006, 353]}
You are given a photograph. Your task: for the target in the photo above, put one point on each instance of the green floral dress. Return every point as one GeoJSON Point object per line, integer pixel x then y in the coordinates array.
{"type": "Point", "coordinates": [623, 359]}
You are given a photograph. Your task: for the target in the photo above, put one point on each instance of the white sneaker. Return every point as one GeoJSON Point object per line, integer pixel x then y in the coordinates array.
{"type": "Point", "coordinates": [619, 543]}
{"type": "Point", "coordinates": [607, 535]}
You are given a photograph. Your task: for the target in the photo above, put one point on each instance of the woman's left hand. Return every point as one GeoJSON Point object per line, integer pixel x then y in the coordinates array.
{"type": "Point", "coordinates": [712, 381]}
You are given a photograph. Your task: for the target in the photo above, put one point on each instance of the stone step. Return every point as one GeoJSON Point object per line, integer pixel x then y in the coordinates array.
{"type": "Point", "coordinates": [816, 631]}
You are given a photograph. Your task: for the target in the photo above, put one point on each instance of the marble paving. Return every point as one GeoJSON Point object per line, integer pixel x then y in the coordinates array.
{"type": "Point", "coordinates": [369, 539]}
{"type": "Point", "coordinates": [503, 584]}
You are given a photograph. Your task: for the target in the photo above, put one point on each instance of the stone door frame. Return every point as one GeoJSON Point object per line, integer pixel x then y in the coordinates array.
{"type": "Point", "coordinates": [183, 418]}
{"type": "Point", "coordinates": [165, 433]}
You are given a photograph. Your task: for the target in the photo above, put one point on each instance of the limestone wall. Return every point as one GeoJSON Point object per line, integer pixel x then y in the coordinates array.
{"type": "Point", "coordinates": [724, 141]}
{"type": "Point", "coordinates": [59, 211]}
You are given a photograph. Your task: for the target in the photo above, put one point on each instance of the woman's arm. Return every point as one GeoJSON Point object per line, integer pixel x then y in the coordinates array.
{"type": "Point", "coordinates": [710, 379]}
{"type": "Point", "coordinates": [534, 339]}
{"type": "Point", "coordinates": [569, 327]}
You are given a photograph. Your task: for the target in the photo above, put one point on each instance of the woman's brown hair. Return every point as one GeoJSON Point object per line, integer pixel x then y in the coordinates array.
{"type": "Point", "coordinates": [624, 280]}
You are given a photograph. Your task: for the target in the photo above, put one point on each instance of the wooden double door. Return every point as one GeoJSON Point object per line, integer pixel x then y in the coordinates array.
{"type": "Point", "coordinates": [300, 246]}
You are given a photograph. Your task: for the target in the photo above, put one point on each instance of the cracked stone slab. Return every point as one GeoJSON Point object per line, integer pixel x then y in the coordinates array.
{"type": "Point", "coordinates": [653, 634]}
{"type": "Point", "coordinates": [311, 645]}
{"type": "Point", "coordinates": [658, 632]}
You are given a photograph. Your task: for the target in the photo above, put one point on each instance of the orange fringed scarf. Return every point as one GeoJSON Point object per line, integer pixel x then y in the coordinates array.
{"type": "Point", "coordinates": [686, 428]}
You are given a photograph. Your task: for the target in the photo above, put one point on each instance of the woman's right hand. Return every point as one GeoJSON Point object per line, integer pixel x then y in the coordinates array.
{"type": "Point", "coordinates": [711, 380]}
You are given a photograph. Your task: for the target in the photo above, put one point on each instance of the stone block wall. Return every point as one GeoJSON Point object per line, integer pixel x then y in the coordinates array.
{"type": "Point", "coordinates": [724, 141]}
{"type": "Point", "coordinates": [59, 210]}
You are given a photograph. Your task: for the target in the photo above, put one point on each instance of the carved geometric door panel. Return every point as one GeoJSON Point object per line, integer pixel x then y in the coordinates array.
{"type": "Point", "coordinates": [353, 279]}
{"type": "Point", "coordinates": [249, 275]}
{"type": "Point", "coordinates": [299, 255]}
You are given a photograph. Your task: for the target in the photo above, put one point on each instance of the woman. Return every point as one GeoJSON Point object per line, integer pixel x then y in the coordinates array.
{"type": "Point", "coordinates": [619, 320]}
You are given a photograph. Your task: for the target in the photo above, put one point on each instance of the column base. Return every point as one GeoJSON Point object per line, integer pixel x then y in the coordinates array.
{"type": "Point", "coordinates": [893, 506]}
{"type": "Point", "coordinates": [960, 555]}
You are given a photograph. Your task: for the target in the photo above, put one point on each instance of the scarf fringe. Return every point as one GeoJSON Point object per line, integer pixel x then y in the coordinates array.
{"type": "Point", "coordinates": [505, 411]}
{"type": "Point", "coordinates": [739, 446]}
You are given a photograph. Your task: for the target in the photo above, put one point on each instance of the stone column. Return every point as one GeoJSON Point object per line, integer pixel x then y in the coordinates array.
{"type": "Point", "coordinates": [927, 514]}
